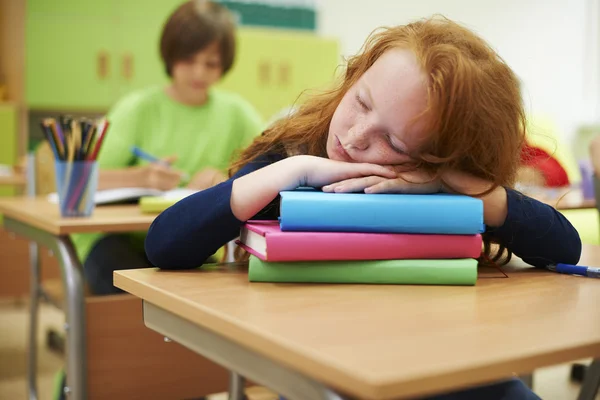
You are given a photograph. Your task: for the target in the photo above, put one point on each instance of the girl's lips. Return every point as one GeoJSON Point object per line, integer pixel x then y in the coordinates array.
{"type": "Point", "coordinates": [341, 151]}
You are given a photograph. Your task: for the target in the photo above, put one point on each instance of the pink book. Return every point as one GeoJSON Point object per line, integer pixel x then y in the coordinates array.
{"type": "Point", "coordinates": [266, 241]}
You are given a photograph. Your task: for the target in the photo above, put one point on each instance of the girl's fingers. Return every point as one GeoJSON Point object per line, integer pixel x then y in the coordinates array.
{"type": "Point", "coordinates": [353, 185]}
{"type": "Point", "coordinates": [401, 186]}
{"type": "Point", "coordinates": [379, 170]}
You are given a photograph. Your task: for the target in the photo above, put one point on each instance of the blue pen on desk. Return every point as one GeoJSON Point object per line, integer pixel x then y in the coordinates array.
{"type": "Point", "coordinates": [575, 270]}
{"type": "Point", "coordinates": [150, 158]}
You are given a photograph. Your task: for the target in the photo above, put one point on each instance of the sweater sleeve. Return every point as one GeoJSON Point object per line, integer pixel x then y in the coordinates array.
{"type": "Point", "coordinates": [187, 233]}
{"type": "Point", "coordinates": [537, 233]}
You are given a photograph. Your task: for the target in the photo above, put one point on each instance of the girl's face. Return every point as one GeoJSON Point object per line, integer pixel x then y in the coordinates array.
{"type": "Point", "coordinates": [193, 76]}
{"type": "Point", "coordinates": [375, 121]}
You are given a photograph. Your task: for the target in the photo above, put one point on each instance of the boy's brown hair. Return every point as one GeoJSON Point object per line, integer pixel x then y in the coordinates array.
{"type": "Point", "coordinates": [192, 27]}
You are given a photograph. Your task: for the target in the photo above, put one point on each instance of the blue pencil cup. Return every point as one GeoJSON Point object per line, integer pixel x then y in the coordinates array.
{"type": "Point", "coordinates": [76, 184]}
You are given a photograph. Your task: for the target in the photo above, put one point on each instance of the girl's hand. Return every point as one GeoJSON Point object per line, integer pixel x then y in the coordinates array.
{"type": "Point", "coordinates": [495, 204]}
{"type": "Point", "coordinates": [495, 207]}
{"type": "Point", "coordinates": [251, 193]}
{"type": "Point", "coordinates": [404, 182]}
{"type": "Point", "coordinates": [317, 171]}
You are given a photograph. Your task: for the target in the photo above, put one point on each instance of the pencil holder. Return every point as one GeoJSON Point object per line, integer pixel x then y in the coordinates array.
{"type": "Point", "coordinates": [76, 184]}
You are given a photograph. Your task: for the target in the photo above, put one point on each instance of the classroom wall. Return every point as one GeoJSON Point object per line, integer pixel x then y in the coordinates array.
{"type": "Point", "coordinates": [551, 44]}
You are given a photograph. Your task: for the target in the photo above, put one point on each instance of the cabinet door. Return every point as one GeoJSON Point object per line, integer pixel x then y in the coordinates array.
{"type": "Point", "coordinates": [303, 63]}
{"type": "Point", "coordinates": [8, 141]}
{"type": "Point", "coordinates": [138, 49]}
{"type": "Point", "coordinates": [76, 9]}
{"type": "Point", "coordinates": [273, 67]}
{"type": "Point", "coordinates": [69, 63]}
{"type": "Point", "coordinates": [138, 62]}
{"type": "Point", "coordinates": [253, 73]}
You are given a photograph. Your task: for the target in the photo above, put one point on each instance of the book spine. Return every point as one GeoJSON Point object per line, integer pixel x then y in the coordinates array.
{"type": "Point", "coordinates": [307, 246]}
{"type": "Point", "coordinates": [408, 272]}
{"type": "Point", "coordinates": [432, 216]}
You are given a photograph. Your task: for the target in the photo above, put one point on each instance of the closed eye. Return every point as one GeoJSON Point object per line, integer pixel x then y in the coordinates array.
{"type": "Point", "coordinates": [393, 146]}
{"type": "Point", "coordinates": [361, 103]}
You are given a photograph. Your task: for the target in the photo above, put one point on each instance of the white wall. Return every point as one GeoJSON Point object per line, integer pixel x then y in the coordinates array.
{"type": "Point", "coordinates": [550, 44]}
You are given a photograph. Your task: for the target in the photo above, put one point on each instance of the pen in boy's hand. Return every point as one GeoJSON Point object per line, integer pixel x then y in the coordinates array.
{"type": "Point", "coordinates": [150, 158]}
{"type": "Point", "coordinates": [575, 270]}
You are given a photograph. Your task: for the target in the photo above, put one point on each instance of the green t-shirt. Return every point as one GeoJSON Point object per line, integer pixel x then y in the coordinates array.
{"type": "Point", "coordinates": [200, 136]}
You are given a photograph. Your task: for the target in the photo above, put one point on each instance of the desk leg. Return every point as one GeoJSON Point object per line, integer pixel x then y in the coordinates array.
{"type": "Point", "coordinates": [72, 278]}
{"type": "Point", "coordinates": [75, 315]}
{"type": "Point", "coordinates": [236, 386]}
{"type": "Point", "coordinates": [591, 383]}
{"type": "Point", "coordinates": [33, 319]}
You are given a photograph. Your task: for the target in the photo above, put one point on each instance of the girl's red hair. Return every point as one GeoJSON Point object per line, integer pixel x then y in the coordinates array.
{"type": "Point", "coordinates": [475, 112]}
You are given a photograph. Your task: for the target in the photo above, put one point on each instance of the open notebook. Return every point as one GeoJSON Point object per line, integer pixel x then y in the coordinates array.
{"type": "Point", "coordinates": [133, 195]}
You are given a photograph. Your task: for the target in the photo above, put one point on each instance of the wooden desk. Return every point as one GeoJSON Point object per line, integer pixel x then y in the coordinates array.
{"type": "Point", "coordinates": [563, 199]}
{"type": "Point", "coordinates": [39, 221]}
{"type": "Point", "coordinates": [41, 214]}
{"type": "Point", "coordinates": [12, 180]}
{"type": "Point", "coordinates": [375, 342]}
{"type": "Point", "coordinates": [572, 204]}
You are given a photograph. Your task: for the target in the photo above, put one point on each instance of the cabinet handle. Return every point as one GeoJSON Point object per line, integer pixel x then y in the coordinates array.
{"type": "Point", "coordinates": [264, 73]}
{"type": "Point", "coordinates": [102, 65]}
{"type": "Point", "coordinates": [127, 66]}
{"type": "Point", "coordinates": [284, 73]}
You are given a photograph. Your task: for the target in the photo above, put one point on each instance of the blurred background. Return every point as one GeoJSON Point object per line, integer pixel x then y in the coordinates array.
{"type": "Point", "coordinates": [79, 57]}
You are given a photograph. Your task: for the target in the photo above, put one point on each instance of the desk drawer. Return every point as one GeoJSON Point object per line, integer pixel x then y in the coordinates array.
{"type": "Point", "coordinates": [127, 361]}
{"type": "Point", "coordinates": [14, 265]}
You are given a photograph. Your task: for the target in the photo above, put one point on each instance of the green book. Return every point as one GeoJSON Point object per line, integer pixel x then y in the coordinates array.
{"type": "Point", "coordinates": [461, 271]}
{"type": "Point", "coordinates": [155, 205]}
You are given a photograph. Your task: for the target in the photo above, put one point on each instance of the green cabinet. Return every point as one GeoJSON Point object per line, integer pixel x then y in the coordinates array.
{"type": "Point", "coordinates": [273, 68]}
{"type": "Point", "coordinates": [75, 9]}
{"type": "Point", "coordinates": [68, 62]}
{"type": "Point", "coordinates": [84, 55]}
{"type": "Point", "coordinates": [138, 56]}
{"type": "Point", "coordinates": [137, 51]}
{"type": "Point", "coordinates": [8, 141]}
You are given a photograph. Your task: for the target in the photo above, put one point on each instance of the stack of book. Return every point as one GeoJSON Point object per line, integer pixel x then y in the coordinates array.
{"type": "Point", "coordinates": [367, 238]}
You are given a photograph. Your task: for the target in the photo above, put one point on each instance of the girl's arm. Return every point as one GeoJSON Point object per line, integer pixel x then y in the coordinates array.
{"type": "Point", "coordinates": [532, 230]}
{"type": "Point", "coordinates": [187, 233]}
{"type": "Point", "coordinates": [537, 233]}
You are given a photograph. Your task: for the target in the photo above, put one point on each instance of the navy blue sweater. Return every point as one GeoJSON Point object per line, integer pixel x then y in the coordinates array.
{"type": "Point", "coordinates": [189, 232]}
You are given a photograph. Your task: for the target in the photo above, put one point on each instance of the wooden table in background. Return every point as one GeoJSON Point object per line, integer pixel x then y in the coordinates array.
{"type": "Point", "coordinates": [12, 180]}
{"type": "Point", "coordinates": [563, 199]}
{"type": "Point", "coordinates": [39, 221]}
{"type": "Point", "coordinates": [374, 342]}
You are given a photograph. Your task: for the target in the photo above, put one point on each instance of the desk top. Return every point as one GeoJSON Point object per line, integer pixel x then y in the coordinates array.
{"type": "Point", "coordinates": [12, 180]}
{"type": "Point", "coordinates": [381, 342]}
{"type": "Point", "coordinates": [42, 214]}
{"type": "Point", "coordinates": [562, 198]}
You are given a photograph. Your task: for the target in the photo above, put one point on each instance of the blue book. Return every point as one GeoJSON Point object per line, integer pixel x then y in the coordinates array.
{"type": "Point", "coordinates": [440, 213]}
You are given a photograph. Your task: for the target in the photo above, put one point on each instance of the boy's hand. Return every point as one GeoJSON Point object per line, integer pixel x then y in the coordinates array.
{"type": "Point", "coordinates": [206, 178]}
{"type": "Point", "coordinates": [161, 175]}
